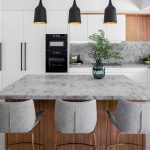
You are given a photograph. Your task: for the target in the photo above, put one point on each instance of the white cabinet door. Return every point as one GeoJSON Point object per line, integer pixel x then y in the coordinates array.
{"type": "Point", "coordinates": [34, 37]}
{"type": "Point", "coordinates": [12, 27]}
{"type": "Point", "coordinates": [79, 32]}
{"type": "Point", "coordinates": [57, 22]}
{"type": "Point", "coordinates": [95, 23]}
{"type": "Point", "coordinates": [116, 32]}
{"type": "Point", "coordinates": [113, 32]}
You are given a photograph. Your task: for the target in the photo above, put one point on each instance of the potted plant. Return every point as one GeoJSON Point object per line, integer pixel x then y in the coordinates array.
{"type": "Point", "coordinates": [100, 49]}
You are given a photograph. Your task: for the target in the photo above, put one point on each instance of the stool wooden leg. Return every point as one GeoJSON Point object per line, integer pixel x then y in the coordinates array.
{"type": "Point", "coordinates": [33, 141]}
{"type": "Point", "coordinates": [94, 140]}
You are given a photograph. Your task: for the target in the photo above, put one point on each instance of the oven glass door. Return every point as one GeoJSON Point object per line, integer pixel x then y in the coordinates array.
{"type": "Point", "coordinates": [56, 64]}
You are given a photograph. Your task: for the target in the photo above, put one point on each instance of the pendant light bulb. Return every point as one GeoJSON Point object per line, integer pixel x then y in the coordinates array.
{"type": "Point", "coordinates": [110, 15]}
{"type": "Point", "coordinates": [40, 16]}
{"type": "Point", "coordinates": [74, 14]}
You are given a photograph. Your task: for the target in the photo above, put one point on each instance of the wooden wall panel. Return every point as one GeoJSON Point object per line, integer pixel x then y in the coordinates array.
{"type": "Point", "coordinates": [138, 27]}
{"type": "Point", "coordinates": [46, 132]}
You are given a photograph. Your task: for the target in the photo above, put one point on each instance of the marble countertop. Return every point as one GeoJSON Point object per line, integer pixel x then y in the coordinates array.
{"type": "Point", "coordinates": [83, 87]}
{"type": "Point", "coordinates": [130, 65]}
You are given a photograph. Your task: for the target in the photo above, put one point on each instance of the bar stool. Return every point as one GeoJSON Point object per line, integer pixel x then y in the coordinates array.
{"type": "Point", "coordinates": [19, 117]}
{"type": "Point", "coordinates": [74, 118]}
{"type": "Point", "coordinates": [130, 118]}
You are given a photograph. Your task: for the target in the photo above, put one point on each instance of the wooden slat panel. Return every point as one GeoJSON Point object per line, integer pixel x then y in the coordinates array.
{"type": "Point", "coordinates": [46, 131]}
{"type": "Point", "coordinates": [138, 27]}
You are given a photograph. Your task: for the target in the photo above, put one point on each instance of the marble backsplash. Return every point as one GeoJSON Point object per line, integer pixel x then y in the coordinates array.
{"type": "Point", "coordinates": [132, 52]}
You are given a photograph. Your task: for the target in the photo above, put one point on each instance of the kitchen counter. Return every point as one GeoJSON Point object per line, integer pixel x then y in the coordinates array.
{"type": "Point", "coordinates": [130, 65]}
{"type": "Point", "coordinates": [50, 87]}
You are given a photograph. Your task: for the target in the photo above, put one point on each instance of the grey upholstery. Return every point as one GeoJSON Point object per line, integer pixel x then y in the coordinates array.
{"type": "Point", "coordinates": [75, 117]}
{"type": "Point", "coordinates": [17, 117]}
{"type": "Point", "coordinates": [132, 117]}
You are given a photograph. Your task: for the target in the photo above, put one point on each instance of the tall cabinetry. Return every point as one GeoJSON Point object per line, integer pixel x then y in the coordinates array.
{"type": "Point", "coordinates": [12, 39]}
{"type": "Point", "coordinates": [23, 46]}
{"type": "Point", "coordinates": [34, 40]}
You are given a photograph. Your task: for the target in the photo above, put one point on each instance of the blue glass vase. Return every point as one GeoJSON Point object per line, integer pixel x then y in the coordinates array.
{"type": "Point", "coordinates": [98, 70]}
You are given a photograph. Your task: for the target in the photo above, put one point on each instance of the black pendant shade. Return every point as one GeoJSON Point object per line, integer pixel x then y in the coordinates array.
{"type": "Point", "coordinates": [110, 16]}
{"type": "Point", "coordinates": [74, 14]}
{"type": "Point", "coordinates": [40, 16]}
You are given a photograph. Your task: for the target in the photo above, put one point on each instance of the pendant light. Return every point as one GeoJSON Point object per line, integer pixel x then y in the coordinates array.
{"type": "Point", "coordinates": [40, 16]}
{"type": "Point", "coordinates": [74, 14]}
{"type": "Point", "coordinates": [110, 16]}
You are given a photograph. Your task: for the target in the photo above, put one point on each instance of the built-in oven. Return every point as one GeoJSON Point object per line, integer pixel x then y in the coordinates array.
{"type": "Point", "coordinates": [56, 52]}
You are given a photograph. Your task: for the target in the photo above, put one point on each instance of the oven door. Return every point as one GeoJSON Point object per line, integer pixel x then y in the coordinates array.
{"type": "Point", "coordinates": [56, 64]}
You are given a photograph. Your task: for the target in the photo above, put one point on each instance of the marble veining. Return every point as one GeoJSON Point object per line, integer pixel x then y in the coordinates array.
{"type": "Point", "coordinates": [132, 52]}
{"type": "Point", "coordinates": [82, 87]}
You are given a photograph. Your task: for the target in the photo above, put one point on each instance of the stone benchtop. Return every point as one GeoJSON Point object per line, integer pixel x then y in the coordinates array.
{"type": "Point", "coordinates": [74, 87]}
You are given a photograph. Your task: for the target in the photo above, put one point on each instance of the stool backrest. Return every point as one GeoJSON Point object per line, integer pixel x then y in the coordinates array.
{"type": "Point", "coordinates": [128, 116]}
{"type": "Point", "coordinates": [133, 117]}
{"type": "Point", "coordinates": [17, 117]}
{"type": "Point", "coordinates": [75, 117]}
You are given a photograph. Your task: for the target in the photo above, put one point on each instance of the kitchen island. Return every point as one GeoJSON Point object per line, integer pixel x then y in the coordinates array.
{"type": "Point", "coordinates": [45, 89]}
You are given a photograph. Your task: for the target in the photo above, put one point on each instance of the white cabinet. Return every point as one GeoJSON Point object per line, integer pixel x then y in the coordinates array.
{"type": "Point", "coordinates": [18, 59]}
{"type": "Point", "coordinates": [113, 32]}
{"type": "Point", "coordinates": [57, 22]}
{"type": "Point", "coordinates": [34, 37]}
{"type": "Point", "coordinates": [116, 32]}
{"type": "Point", "coordinates": [12, 37]}
{"type": "Point", "coordinates": [95, 23]}
{"type": "Point", "coordinates": [79, 32]}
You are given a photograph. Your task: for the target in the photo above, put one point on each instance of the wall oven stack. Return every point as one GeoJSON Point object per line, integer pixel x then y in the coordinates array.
{"type": "Point", "coordinates": [56, 52]}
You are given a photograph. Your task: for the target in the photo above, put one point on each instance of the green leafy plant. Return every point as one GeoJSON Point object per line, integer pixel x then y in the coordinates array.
{"type": "Point", "coordinates": [100, 49]}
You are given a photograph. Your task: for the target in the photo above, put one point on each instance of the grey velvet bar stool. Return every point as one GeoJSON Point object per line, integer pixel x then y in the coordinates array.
{"type": "Point", "coordinates": [75, 117]}
{"type": "Point", "coordinates": [19, 117]}
{"type": "Point", "coordinates": [131, 118]}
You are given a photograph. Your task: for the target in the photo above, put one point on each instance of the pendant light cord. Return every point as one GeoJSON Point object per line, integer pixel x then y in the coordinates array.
{"type": "Point", "coordinates": [41, 2]}
{"type": "Point", "coordinates": [110, 2]}
{"type": "Point", "coordinates": [74, 3]}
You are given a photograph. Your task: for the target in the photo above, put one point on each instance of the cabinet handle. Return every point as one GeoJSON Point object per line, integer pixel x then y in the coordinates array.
{"type": "Point", "coordinates": [0, 56]}
{"type": "Point", "coordinates": [25, 56]}
{"type": "Point", "coordinates": [21, 56]}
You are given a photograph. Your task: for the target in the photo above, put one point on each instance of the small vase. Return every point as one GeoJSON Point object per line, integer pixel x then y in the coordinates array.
{"type": "Point", "coordinates": [98, 70]}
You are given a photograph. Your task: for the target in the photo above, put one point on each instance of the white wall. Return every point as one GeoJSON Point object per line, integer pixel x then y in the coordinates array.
{"type": "Point", "coordinates": [145, 4]}
{"type": "Point", "coordinates": [85, 5]}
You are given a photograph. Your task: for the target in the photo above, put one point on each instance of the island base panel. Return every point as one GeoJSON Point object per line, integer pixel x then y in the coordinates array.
{"type": "Point", "coordinates": [106, 134]}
